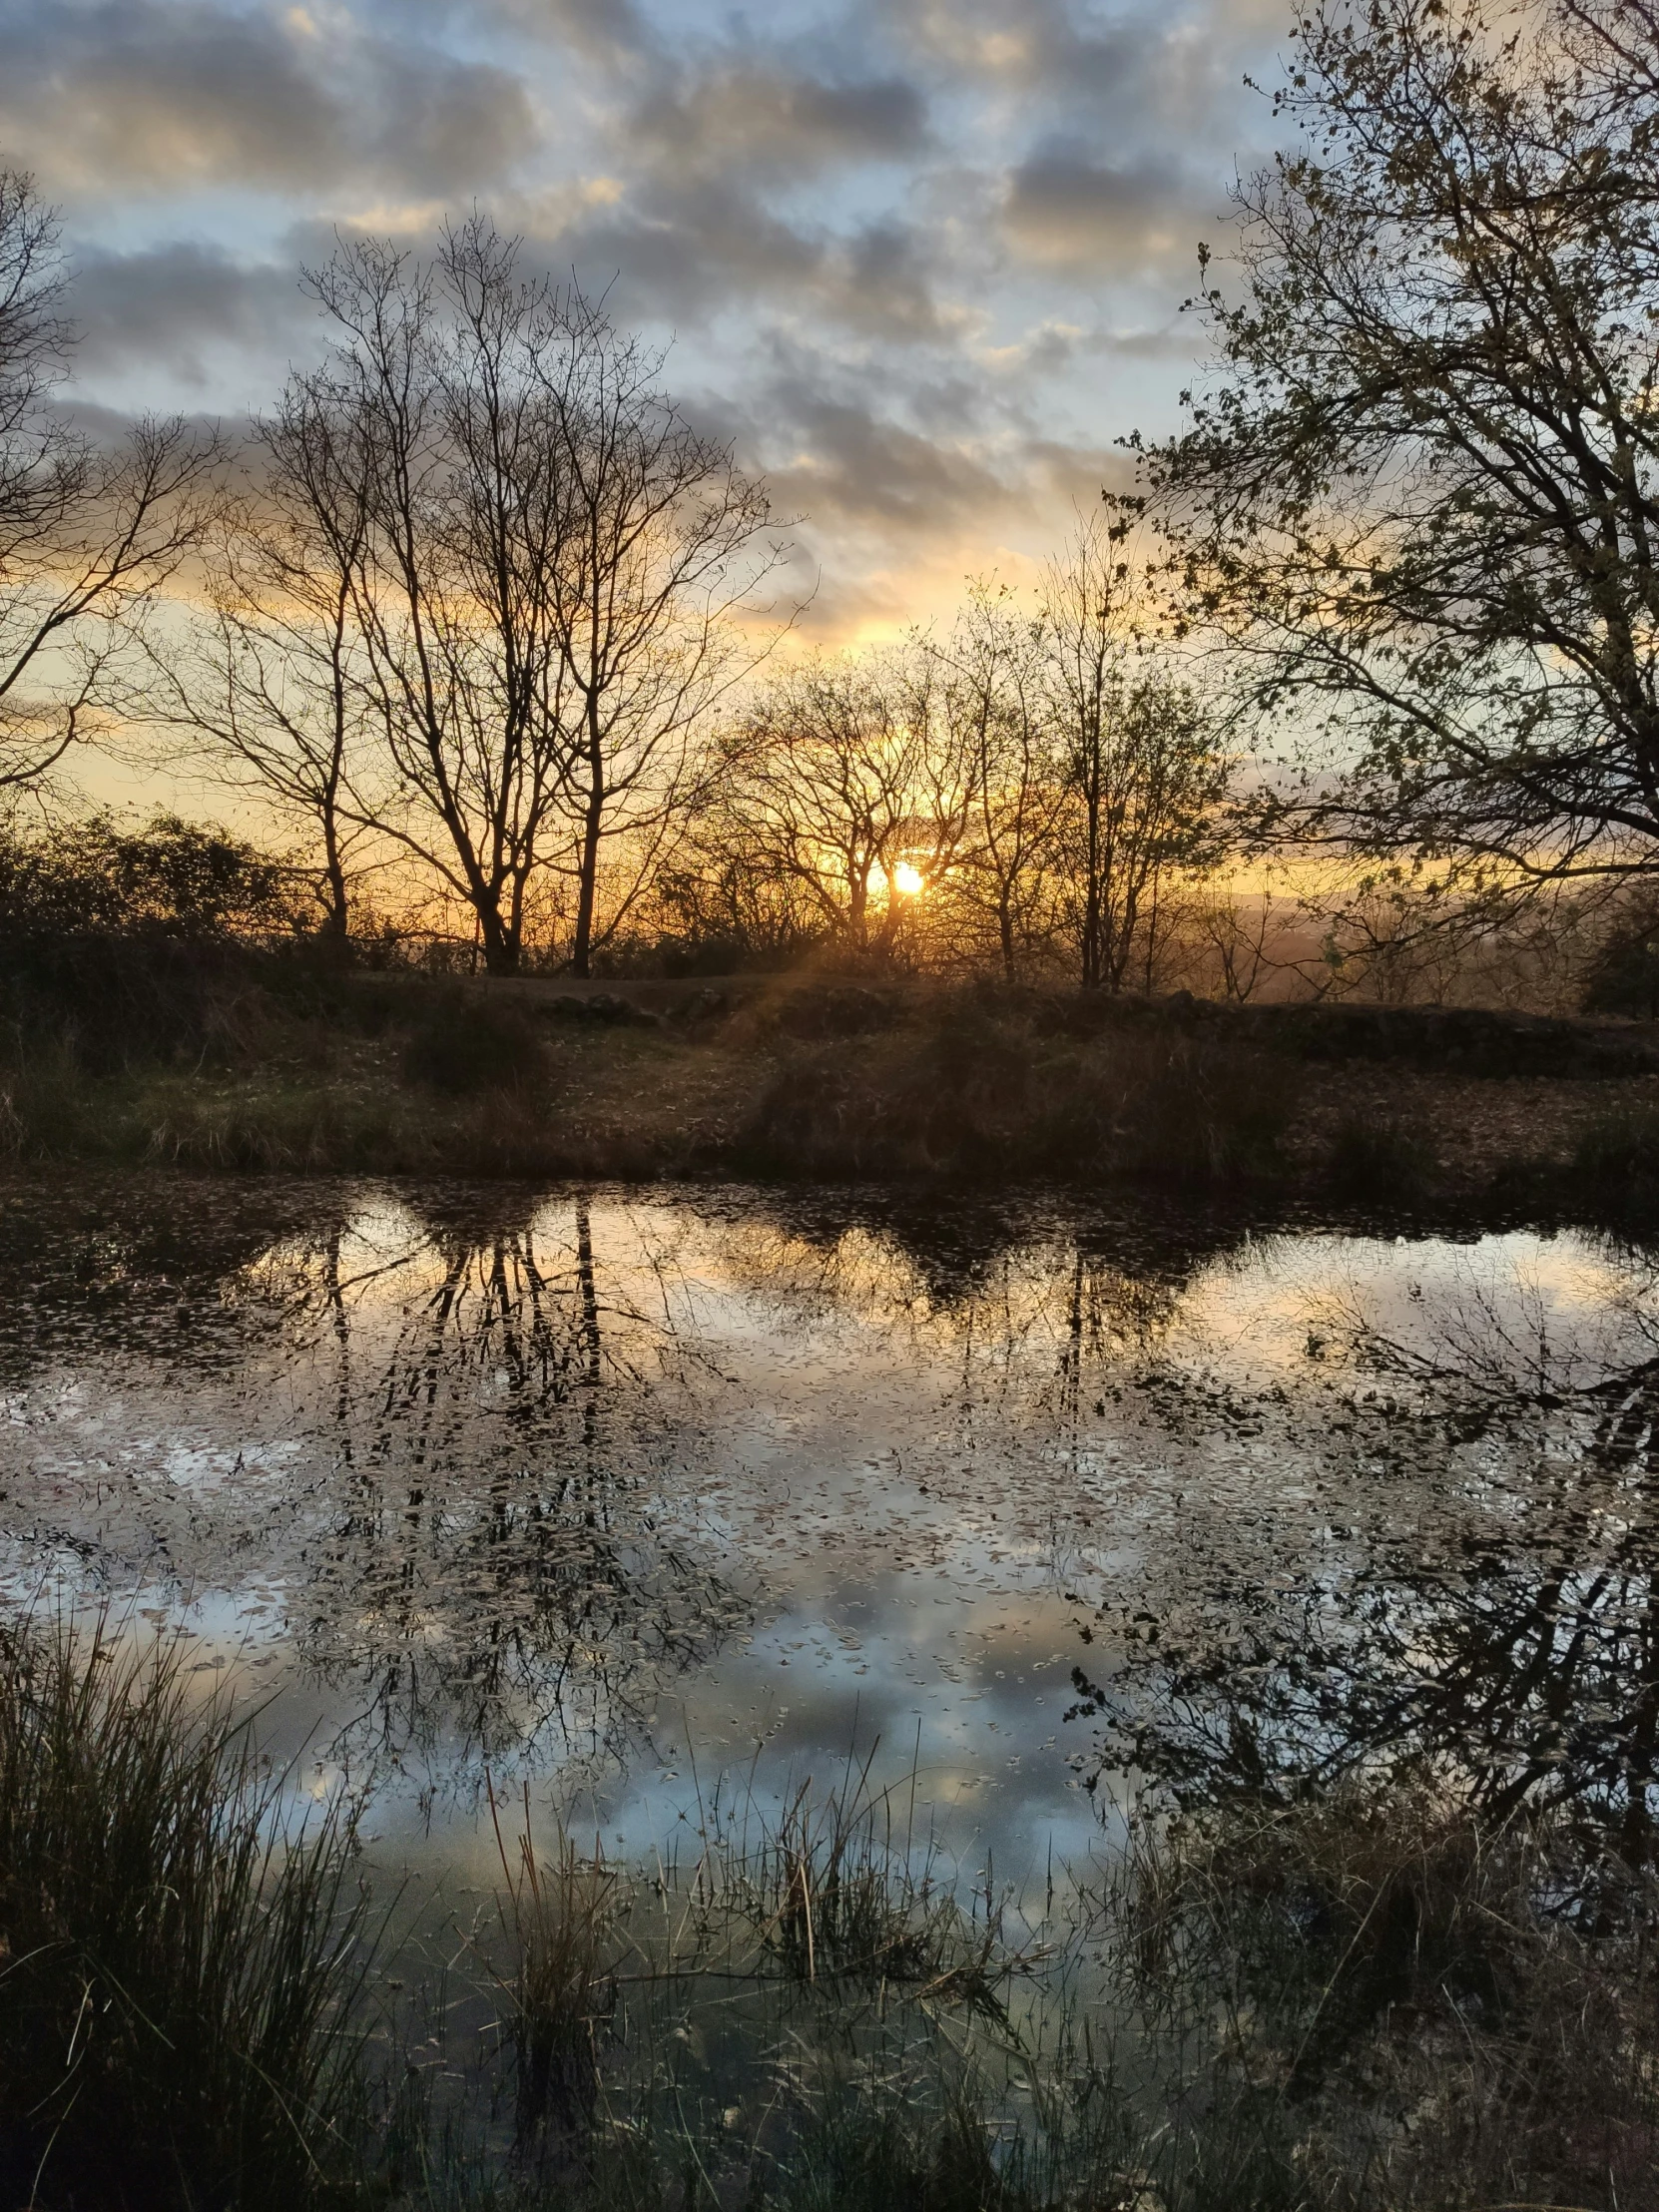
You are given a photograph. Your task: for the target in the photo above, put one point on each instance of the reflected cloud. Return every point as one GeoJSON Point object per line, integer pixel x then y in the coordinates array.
{"type": "Point", "coordinates": [592, 1485]}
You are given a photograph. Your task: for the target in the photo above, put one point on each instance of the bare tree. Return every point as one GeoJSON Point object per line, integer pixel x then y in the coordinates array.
{"type": "Point", "coordinates": [825, 782]}
{"type": "Point", "coordinates": [1145, 771]}
{"type": "Point", "coordinates": [663, 543]}
{"type": "Point", "coordinates": [1005, 771]}
{"type": "Point", "coordinates": [273, 688]}
{"type": "Point", "coordinates": [88, 533]}
{"type": "Point", "coordinates": [1089, 641]}
{"type": "Point", "coordinates": [549, 565]}
{"type": "Point", "coordinates": [455, 463]}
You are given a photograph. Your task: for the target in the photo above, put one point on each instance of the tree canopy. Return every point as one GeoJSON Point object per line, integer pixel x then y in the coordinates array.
{"type": "Point", "coordinates": [1419, 501]}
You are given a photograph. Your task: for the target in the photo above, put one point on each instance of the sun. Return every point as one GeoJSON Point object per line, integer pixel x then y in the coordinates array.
{"type": "Point", "coordinates": [908, 881]}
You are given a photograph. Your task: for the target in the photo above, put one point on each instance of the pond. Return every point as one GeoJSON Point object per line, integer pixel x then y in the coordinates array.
{"type": "Point", "coordinates": [638, 1496]}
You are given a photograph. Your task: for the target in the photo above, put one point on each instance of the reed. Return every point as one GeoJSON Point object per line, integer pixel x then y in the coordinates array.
{"type": "Point", "coordinates": [181, 1959]}
{"type": "Point", "coordinates": [557, 1909]}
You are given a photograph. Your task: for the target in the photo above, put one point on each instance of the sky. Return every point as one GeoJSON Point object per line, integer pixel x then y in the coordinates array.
{"type": "Point", "coordinates": [922, 260]}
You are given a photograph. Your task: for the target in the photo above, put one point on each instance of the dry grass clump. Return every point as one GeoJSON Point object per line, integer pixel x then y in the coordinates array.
{"type": "Point", "coordinates": [559, 1914]}
{"type": "Point", "coordinates": [837, 1894]}
{"type": "Point", "coordinates": [180, 1966]}
{"type": "Point", "coordinates": [970, 1089]}
{"type": "Point", "coordinates": [1437, 2010]}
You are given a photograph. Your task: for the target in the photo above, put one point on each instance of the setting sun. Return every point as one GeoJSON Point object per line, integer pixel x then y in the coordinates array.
{"type": "Point", "coordinates": [908, 881]}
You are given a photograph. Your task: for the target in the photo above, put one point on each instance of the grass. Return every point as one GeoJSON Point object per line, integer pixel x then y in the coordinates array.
{"type": "Point", "coordinates": [243, 1063]}
{"type": "Point", "coordinates": [1370, 2001]}
{"type": "Point", "coordinates": [557, 1914]}
{"type": "Point", "coordinates": [179, 1960]}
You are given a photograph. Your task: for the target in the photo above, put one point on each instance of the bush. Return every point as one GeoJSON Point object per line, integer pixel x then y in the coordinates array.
{"type": "Point", "coordinates": [1624, 976]}
{"type": "Point", "coordinates": [1617, 1160]}
{"type": "Point", "coordinates": [1384, 1948]}
{"type": "Point", "coordinates": [465, 1044]}
{"type": "Point", "coordinates": [1371, 1158]}
{"type": "Point", "coordinates": [171, 878]}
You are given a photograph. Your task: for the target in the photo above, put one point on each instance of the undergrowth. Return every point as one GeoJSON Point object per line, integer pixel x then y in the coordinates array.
{"type": "Point", "coordinates": [1374, 2000]}
{"type": "Point", "coordinates": [287, 1067]}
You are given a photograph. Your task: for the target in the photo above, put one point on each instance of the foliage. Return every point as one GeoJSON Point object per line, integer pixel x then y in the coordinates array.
{"type": "Point", "coordinates": [166, 878]}
{"type": "Point", "coordinates": [1419, 501]}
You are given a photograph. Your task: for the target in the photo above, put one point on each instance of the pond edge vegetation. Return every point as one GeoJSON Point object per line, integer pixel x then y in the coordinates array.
{"type": "Point", "coordinates": [1379, 1999]}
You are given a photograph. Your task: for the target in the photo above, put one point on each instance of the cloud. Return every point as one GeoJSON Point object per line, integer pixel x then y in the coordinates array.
{"type": "Point", "coordinates": [707, 249]}
{"type": "Point", "coordinates": [165, 95]}
{"type": "Point", "coordinates": [1065, 209]}
{"type": "Point", "coordinates": [170, 304]}
{"type": "Point", "coordinates": [768, 120]}
{"type": "Point", "coordinates": [922, 257]}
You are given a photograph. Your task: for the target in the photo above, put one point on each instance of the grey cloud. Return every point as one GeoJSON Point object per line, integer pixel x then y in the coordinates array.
{"type": "Point", "coordinates": [1171, 67]}
{"type": "Point", "coordinates": [1063, 207]}
{"type": "Point", "coordinates": [165, 93]}
{"type": "Point", "coordinates": [775, 121]}
{"type": "Point", "coordinates": [170, 304]}
{"type": "Point", "coordinates": [848, 463]}
{"type": "Point", "coordinates": [605, 31]}
{"type": "Point", "coordinates": [689, 255]}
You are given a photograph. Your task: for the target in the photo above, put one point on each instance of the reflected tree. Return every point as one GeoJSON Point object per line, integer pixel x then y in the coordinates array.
{"type": "Point", "coordinates": [1499, 1630]}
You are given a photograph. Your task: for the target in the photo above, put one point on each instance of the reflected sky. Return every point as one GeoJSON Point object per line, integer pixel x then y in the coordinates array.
{"type": "Point", "coordinates": [643, 1499]}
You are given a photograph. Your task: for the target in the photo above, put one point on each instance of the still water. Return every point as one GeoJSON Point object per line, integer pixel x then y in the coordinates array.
{"type": "Point", "coordinates": [636, 1496]}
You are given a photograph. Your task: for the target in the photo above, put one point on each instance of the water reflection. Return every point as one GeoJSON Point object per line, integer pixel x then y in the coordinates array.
{"type": "Point", "coordinates": [621, 1488]}
{"type": "Point", "coordinates": [1473, 1590]}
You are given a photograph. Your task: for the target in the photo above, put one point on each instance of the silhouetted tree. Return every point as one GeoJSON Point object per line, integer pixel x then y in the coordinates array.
{"type": "Point", "coordinates": [1421, 501]}
{"type": "Point", "coordinates": [89, 533]}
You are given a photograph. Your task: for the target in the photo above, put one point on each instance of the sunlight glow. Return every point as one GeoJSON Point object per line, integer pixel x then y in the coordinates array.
{"type": "Point", "coordinates": [908, 881]}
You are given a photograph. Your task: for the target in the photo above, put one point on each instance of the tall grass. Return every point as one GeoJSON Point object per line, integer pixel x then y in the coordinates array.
{"type": "Point", "coordinates": [180, 1962]}
{"type": "Point", "coordinates": [1374, 2000]}
{"type": "Point", "coordinates": [557, 1910]}
{"type": "Point", "coordinates": [970, 1088]}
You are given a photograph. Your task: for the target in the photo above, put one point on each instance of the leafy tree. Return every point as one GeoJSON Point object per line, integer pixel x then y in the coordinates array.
{"type": "Point", "coordinates": [1421, 501]}
{"type": "Point", "coordinates": [1145, 771]}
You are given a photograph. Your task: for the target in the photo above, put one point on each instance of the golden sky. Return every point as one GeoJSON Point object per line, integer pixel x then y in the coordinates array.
{"type": "Point", "coordinates": [921, 260]}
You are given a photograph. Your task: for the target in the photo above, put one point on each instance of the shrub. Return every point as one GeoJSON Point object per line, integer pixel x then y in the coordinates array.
{"type": "Point", "coordinates": [171, 878]}
{"type": "Point", "coordinates": [1377, 1159]}
{"type": "Point", "coordinates": [1384, 1948]}
{"type": "Point", "coordinates": [464, 1044]}
{"type": "Point", "coordinates": [1617, 1160]}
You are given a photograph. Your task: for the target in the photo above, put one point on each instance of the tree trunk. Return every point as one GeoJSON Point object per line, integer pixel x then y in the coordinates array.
{"type": "Point", "coordinates": [499, 942]}
{"type": "Point", "coordinates": [1092, 963]}
{"type": "Point", "coordinates": [337, 921]}
{"type": "Point", "coordinates": [587, 882]}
